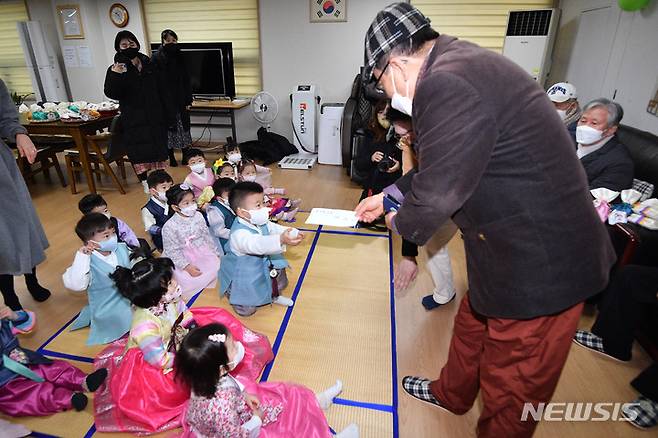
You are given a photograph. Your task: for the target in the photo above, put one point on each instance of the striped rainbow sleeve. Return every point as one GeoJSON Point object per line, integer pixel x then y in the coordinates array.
{"type": "Point", "coordinates": [148, 337]}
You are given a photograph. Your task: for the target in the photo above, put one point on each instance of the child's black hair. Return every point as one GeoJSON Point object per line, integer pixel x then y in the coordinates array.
{"type": "Point", "coordinates": [158, 177]}
{"type": "Point", "coordinates": [194, 152]}
{"type": "Point", "coordinates": [89, 202]}
{"type": "Point", "coordinates": [240, 191]}
{"type": "Point", "coordinates": [226, 164]}
{"type": "Point", "coordinates": [145, 283]}
{"type": "Point", "coordinates": [222, 185]}
{"type": "Point", "coordinates": [244, 164]}
{"type": "Point", "coordinates": [198, 360]}
{"type": "Point", "coordinates": [167, 32]}
{"type": "Point", "coordinates": [176, 193]}
{"type": "Point", "coordinates": [90, 224]}
{"type": "Point", "coordinates": [232, 147]}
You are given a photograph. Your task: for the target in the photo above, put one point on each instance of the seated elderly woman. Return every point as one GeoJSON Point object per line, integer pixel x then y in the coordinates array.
{"type": "Point", "coordinates": [605, 159]}
{"type": "Point", "coordinates": [565, 98]}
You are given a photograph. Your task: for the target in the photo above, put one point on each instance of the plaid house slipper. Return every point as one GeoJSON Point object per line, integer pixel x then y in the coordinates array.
{"type": "Point", "coordinates": [419, 388]}
{"type": "Point", "coordinates": [594, 343]}
{"type": "Point", "coordinates": [642, 413]}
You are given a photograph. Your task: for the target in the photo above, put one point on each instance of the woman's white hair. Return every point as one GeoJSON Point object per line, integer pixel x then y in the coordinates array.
{"type": "Point", "coordinates": [615, 111]}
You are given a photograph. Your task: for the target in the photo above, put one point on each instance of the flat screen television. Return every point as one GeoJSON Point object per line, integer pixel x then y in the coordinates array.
{"type": "Point", "coordinates": [210, 66]}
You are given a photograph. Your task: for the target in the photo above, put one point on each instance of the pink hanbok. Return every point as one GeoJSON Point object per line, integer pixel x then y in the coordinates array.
{"type": "Point", "coordinates": [289, 410]}
{"type": "Point", "coordinates": [199, 181]}
{"type": "Point", "coordinates": [187, 241]}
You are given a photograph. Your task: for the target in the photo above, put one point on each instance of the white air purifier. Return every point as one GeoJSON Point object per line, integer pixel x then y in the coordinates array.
{"type": "Point", "coordinates": [529, 40]}
{"type": "Point", "coordinates": [304, 107]}
{"type": "Point", "coordinates": [329, 134]}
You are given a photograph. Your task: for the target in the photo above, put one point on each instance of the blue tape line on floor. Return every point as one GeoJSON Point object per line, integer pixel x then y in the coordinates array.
{"type": "Point", "coordinates": [194, 298]}
{"type": "Point", "coordinates": [59, 355]}
{"type": "Point", "coordinates": [354, 233]}
{"type": "Point", "coordinates": [364, 405]}
{"type": "Point", "coordinates": [50, 339]}
{"type": "Point", "coordinates": [91, 431]}
{"type": "Point", "coordinates": [394, 356]}
{"type": "Point", "coordinates": [286, 318]}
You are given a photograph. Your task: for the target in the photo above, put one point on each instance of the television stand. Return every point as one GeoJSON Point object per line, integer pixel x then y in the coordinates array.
{"type": "Point", "coordinates": [213, 108]}
{"type": "Point", "coordinates": [201, 98]}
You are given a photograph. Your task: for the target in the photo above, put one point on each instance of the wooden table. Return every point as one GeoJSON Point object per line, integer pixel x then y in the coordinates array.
{"type": "Point", "coordinates": [224, 108]}
{"type": "Point", "coordinates": [79, 132]}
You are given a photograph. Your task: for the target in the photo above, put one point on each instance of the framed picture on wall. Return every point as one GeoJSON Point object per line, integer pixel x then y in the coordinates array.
{"type": "Point", "coordinates": [71, 21]}
{"type": "Point", "coordinates": [328, 11]}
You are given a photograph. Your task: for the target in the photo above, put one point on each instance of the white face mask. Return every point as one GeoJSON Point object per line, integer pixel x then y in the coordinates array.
{"type": "Point", "coordinates": [198, 167]}
{"type": "Point", "coordinates": [259, 217]}
{"type": "Point", "coordinates": [399, 102]}
{"type": "Point", "coordinates": [107, 214]}
{"type": "Point", "coordinates": [250, 178]}
{"type": "Point", "coordinates": [162, 196]}
{"type": "Point", "coordinates": [234, 158]}
{"type": "Point", "coordinates": [188, 211]}
{"type": "Point", "coordinates": [239, 355]}
{"type": "Point", "coordinates": [562, 113]}
{"type": "Point", "coordinates": [587, 135]}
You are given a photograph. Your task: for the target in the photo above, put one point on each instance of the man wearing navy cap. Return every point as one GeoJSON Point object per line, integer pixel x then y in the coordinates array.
{"type": "Point", "coordinates": [494, 156]}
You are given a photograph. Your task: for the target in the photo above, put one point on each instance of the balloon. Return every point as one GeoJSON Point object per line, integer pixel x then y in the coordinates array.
{"type": "Point", "coordinates": [633, 5]}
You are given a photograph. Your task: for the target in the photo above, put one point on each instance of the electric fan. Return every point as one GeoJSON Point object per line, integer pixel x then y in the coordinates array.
{"type": "Point", "coordinates": [265, 108]}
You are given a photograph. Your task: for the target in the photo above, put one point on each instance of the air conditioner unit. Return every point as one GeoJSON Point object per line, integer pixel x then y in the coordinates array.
{"type": "Point", "coordinates": [529, 40]}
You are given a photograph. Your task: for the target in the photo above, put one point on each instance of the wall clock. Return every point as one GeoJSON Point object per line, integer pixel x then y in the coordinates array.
{"type": "Point", "coordinates": [328, 11]}
{"type": "Point", "coordinates": [119, 15]}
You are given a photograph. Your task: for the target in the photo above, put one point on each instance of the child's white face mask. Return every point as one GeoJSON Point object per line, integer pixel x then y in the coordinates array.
{"type": "Point", "coordinates": [250, 178]}
{"type": "Point", "coordinates": [188, 211]}
{"type": "Point", "coordinates": [234, 157]}
{"type": "Point", "coordinates": [259, 217]}
{"type": "Point", "coordinates": [198, 167]}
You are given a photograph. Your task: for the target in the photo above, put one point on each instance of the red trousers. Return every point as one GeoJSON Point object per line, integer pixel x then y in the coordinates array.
{"type": "Point", "coordinates": [511, 361]}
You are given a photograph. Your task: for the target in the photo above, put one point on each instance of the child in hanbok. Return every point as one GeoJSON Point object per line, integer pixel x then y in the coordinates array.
{"type": "Point", "coordinates": [33, 385]}
{"type": "Point", "coordinates": [141, 395]}
{"type": "Point", "coordinates": [187, 241]}
{"type": "Point", "coordinates": [200, 176]}
{"type": "Point", "coordinates": [223, 406]}
{"type": "Point", "coordinates": [108, 313]}
{"type": "Point", "coordinates": [219, 213]}
{"type": "Point", "coordinates": [253, 271]}
{"type": "Point", "coordinates": [280, 208]}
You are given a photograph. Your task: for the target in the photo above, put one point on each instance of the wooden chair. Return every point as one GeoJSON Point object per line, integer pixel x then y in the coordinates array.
{"type": "Point", "coordinates": [45, 160]}
{"type": "Point", "coordinates": [102, 152]}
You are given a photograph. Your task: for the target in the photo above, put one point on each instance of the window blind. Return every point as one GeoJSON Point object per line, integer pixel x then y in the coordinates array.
{"type": "Point", "coordinates": [200, 21]}
{"type": "Point", "coordinates": [13, 70]}
{"type": "Point", "coordinates": [482, 22]}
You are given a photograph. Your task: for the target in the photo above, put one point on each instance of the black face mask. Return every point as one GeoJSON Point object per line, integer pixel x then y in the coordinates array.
{"type": "Point", "coordinates": [171, 48]}
{"type": "Point", "coordinates": [130, 52]}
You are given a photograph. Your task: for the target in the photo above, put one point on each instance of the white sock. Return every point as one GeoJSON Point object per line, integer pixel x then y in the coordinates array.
{"type": "Point", "coordinates": [351, 431]}
{"type": "Point", "coordinates": [146, 187]}
{"type": "Point", "coordinates": [283, 301]}
{"type": "Point", "coordinates": [326, 397]}
{"type": "Point", "coordinates": [10, 430]}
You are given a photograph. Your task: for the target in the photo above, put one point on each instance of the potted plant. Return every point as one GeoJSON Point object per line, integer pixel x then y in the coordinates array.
{"type": "Point", "coordinates": [19, 99]}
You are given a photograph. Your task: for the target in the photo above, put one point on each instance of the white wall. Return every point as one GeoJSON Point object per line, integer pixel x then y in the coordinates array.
{"type": "Point", "coordinates": [87, 83]}
{"type": "Point", "coordinates": [621, 62]}
{"type": "Point", "coordinates": [295, 51]}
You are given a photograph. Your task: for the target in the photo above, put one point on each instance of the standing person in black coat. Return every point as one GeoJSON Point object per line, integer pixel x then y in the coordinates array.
{"type": "Point", "coordinates": [178, 93]}
{"type": "Point", "coordinates": [136, 84]}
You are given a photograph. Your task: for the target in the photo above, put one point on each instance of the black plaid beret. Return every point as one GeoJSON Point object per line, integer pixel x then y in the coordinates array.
{"type": "Point", "coordinates": [395, 23]}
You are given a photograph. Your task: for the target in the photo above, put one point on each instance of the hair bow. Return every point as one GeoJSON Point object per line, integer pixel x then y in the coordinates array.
{"type": "Point", "coordinates": [184, 186]}
{"type": "Point", "coordinates": [217, 338]}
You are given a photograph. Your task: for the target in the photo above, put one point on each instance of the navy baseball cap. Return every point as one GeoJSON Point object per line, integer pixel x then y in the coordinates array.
{"type": "Point", "coordinates": [395, 23]}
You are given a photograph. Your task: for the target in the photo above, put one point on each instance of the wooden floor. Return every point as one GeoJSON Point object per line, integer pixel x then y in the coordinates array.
{"type": "Point", "coordinates": [346, 286]}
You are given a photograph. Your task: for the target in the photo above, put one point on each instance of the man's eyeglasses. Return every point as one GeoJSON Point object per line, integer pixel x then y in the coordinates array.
{"type": "Point", "coordinates": [372, 91]}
